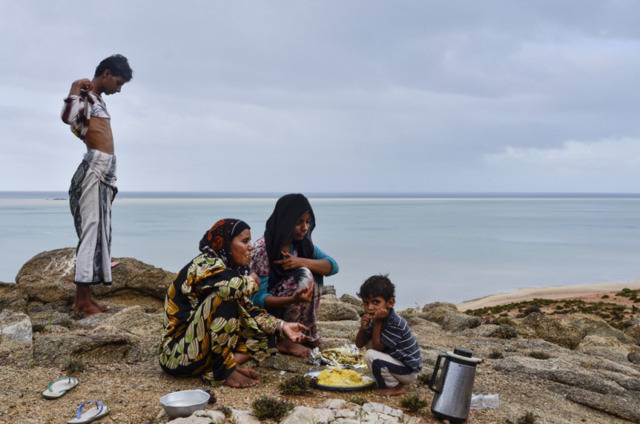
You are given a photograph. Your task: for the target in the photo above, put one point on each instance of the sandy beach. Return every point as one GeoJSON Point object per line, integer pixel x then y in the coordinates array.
{"type": "Point", "coordinates": [585, 292]}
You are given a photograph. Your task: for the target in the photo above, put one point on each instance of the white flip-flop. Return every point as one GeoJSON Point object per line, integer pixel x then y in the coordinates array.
{"type": "Point", "coordinates": [88, 415]}
{"type": "Point", "coordinates": [59, 387]}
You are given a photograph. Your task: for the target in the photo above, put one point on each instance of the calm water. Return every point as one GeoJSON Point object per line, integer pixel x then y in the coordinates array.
{"type": "Point", "coordinates": [438, 248]}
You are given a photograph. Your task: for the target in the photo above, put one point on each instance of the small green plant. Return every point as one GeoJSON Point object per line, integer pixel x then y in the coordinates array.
{"type": "Point", "coordinates": [413, 402]}
{"type": "Point", "coordinates": [74, 366]}
{"type": "Point", "coordinates": [496, 354]}
{"type": "Point", "coordinates": [424, 378]}
{"type": "Point", "coordinates": [539, 355]}
{"type": "Point", "coordinates": [358, 400]}
{"type": "Point", "coordinates": [267, 407]}
{"type": "Point", "coordinates": [505, 332]}
{"type": "Point", "coordinates": [605, 296]}
{"type": "Point", "coordinates": [528, 418]}
{"type": "Point", "coordinates": [531, 309]}
{"type": "Point", "coordinates": [225, 410]}
{"type": "Point", "coordinates": [504, 321]}
{"type": "Point", "coordinates": [295, 386]}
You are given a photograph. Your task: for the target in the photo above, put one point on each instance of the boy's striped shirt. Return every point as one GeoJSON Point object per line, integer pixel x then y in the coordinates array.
{"type": "Point", "coordinates": [398, 340]}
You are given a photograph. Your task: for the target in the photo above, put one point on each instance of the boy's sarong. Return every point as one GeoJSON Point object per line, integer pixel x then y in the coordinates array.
{"type": "Point", "coordinates": [90, 196]}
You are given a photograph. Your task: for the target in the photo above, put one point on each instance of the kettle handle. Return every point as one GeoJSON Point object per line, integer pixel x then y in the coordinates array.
{"type": "Point", "coordinates": [436, 368]}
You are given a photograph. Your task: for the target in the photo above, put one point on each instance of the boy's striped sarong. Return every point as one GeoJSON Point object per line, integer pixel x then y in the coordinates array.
{"type": "Point", "coordinates": [90, 196]}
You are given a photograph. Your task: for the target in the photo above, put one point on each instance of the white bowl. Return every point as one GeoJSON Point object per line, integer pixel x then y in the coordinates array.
{"type": "Point", "coordinates": [184, 402]}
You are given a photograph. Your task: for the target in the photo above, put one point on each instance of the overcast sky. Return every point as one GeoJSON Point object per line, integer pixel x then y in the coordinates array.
{"type": "Point", "coordinates": [332, 96]}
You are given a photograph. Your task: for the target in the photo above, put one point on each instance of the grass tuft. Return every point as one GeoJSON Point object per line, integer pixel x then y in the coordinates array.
{"type": "Point", "coordinates": [539, 355]}
{"type": "Point", "coordinates": [528, 418]}
{"type": "Point", "coordinates": [267, 407]}
{"type": "Point", "coordinates": [295, 386]}
{"type": "Point", "coordinates": [74, 366]}
{"type": "Point", "coordinates": [496, 354]}
{"type": "Point", "coordinates": [413, 402]}
{"type": "Point", "coordinates": [358, 400]}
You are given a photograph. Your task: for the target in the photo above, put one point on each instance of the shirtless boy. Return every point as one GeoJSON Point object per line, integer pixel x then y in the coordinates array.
{"type": "Point", "coordinates": [93, 185]}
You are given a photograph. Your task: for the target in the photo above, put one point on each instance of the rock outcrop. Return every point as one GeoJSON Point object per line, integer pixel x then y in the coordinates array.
{"type": "Point", "coordinates": [16, 338]}
{"type": "Point", "coordinates": [577, 364]}
{"type": "Point", "coordinates": [47, 279]}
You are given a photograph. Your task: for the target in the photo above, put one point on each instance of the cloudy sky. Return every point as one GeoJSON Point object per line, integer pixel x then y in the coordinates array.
{"type": "Point", "coordinates": [332, 96]}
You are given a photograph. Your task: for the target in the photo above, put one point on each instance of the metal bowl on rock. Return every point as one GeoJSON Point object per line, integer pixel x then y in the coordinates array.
{"type": "Point", "coordinates": [184, 402]}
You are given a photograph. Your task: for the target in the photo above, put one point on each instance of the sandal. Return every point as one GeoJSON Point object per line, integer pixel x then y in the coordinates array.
{"type": "Point", "coordinates": [59, 387]}
{"type": "Point", "coordinates": [88, 415]}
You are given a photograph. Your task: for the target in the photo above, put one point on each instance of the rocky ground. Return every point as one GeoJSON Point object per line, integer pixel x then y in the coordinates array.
{"type": "Point", "coordinates": [566, 362]}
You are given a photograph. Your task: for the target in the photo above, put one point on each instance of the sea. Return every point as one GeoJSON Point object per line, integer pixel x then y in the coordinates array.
{"type": "Point", "coordinates": [434, 247]}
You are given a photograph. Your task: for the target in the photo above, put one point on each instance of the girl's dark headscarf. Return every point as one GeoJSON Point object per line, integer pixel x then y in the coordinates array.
{"type": "Point", "coordinates": [217, 242]}
{"type": "Point", "coordinates": [279, 231]}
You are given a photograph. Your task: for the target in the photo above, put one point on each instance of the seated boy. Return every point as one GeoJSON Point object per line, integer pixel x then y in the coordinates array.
{"type": "Point", "coordinates": [394, 355]}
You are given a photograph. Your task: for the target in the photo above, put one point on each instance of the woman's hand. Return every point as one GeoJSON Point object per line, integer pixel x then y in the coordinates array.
{"type": "Point", "coordinates": [290, 261]}
{"type": "Point", "coordinates": [294, 331]}
{"type": "Point", "coordinates": [304, 295]}
{"type": "Point", "coordinates": [255, 277]}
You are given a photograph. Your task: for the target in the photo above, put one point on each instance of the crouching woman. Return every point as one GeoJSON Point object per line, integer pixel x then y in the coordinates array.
{"type": "Point", "coordinates": [211, 327]}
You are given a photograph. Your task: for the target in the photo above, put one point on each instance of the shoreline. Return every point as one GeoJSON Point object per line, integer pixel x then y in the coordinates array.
{"type": "Point", "coordinates": [554, 293]}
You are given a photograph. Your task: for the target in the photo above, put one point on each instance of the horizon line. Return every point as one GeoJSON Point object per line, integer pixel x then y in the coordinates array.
{"type": "Point", "coordinates": [348, 193]}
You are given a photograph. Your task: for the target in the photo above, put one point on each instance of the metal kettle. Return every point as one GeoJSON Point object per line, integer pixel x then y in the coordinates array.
{"type": "Point", "coordinates": [453, 385]}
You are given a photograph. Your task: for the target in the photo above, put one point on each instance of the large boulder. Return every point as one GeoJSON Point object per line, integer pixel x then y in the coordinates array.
{"type": "Point", "coordinates": [448, 316]}
{"type": "Point", "coordinates": [606, 347]}
{"type": "Point", "coordinates": [353, 301]}
{"type": "Point", "coordinates": [327, 289]}
{"type": "Point", "coordinates": [436, 311]}
{"type": "Point", "coordinates": [48, 278]}
{"type": "Point", "coordinates": [338, 329]}
{"type": "Point", "coordinates": [331, 310]}
{"type": "Point", "coordinates": [595, 326]}
{"type": "Point", "coordinates": [552, 330]}
{"type": "Point", "coordinates": [130, 335]}
{"type": "Point", "coordinates": [12, 298]}
{"type": "Point", "coordinates": [15, 339]}
{"type": "Point", "coordinates": [634, 356]}
{"type": "Point", "coordinates": [633, 332]}
{"type": "Point", "coordinates": [560, 371]}
{"type": "Point", "coordinates": [625, 407]}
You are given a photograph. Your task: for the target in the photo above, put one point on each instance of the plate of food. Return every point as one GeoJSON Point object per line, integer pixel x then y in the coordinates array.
{"type": "Point", "coordinates": [340, 380]}
{"type": "Point", "coordinates": [347, 356]}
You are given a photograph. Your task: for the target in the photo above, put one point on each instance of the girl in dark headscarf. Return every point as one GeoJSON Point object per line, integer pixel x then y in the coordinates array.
{"type": "Point", "coordinates": [291, 268]}
{"type": "Point", "coordinates": [211, 326]}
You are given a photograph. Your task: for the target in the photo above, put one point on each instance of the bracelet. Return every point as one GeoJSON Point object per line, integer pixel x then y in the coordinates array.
{"type": "Point", "coordinates": [281, 327]}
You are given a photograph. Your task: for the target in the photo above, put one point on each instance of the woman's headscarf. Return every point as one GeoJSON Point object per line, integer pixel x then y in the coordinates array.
{"type": "Point", "coordinates": [279, 231]}
{"type": "Point", "coordinates": [217, 242]}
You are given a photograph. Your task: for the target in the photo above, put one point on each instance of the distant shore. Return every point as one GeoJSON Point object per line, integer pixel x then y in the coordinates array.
{"type": "Point", "coordinates": [584, 291]}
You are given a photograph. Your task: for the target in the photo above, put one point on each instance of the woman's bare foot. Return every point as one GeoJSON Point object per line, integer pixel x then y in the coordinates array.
{"type": "Point", "coordinates": [249, 372]}
{"type": "Point", "coordinates": [393, 391]}
{"type": "Point", "coordinates": [241, 358]}
{"type": "Point", "coordinates": [291, 348]}
{"type": "Point", "coordinates": [239, 381]}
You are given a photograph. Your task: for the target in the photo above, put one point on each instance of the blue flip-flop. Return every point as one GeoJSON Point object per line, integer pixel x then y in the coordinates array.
{"type": "Point", "coordinates": [84, 415]}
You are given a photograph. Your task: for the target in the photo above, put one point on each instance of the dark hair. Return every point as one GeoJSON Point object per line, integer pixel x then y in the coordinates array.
{"type": "Point", "coordinates": [118, 65]}
{"type": "Point", "coordinates": [377, 285]}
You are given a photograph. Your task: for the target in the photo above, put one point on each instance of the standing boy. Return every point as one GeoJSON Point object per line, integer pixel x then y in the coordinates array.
{"type": "Point", "coordinates": [394, 356]}
{"type": "Point", "coordinates": [93, 185]}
